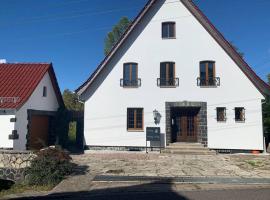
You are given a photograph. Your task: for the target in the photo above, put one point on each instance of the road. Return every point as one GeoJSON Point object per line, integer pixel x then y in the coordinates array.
{"type": "Point", "coordinates": [162, 194]}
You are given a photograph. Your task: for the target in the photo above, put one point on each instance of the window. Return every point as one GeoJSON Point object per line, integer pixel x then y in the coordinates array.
{"type": "Point", "coordinates": [221, 114]}
{"type": "Point", "coordinates": [239, 114]}
{"type": "Point", "coordinates": [208, 74]}
{"type": "Point", "coordinates": [168, 30]}
{"type": "Point", "coordinates": [167, 75]}
{"type": "Point", "coordinates": [44, 93]}
{"type": "Point", "coordinates": [130, 75]}
{"type": "Point", "coordinates": [135, 119]}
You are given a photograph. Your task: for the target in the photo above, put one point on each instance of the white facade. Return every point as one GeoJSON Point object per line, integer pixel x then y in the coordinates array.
{"type": "Point", "coordinates": [106, 102]}
{"type": "Point", "coordinates": [35, 102]}
{"type": "Point", "coordinates": [6, 129]}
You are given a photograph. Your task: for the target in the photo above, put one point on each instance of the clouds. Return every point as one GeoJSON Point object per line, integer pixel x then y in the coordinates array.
{"type": "Point", "coordinates": [3, 60]}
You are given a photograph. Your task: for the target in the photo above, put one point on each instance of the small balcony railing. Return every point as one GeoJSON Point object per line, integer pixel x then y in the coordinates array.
{"type": "Point", "coordinates": [130, 83]}
{"type": "Point", "coordinates": [210, 82]}
{"type": "Point", "coordinates": [171, 82]}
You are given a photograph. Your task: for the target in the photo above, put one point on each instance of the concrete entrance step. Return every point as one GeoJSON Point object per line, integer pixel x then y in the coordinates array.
{"type": "Point", "coordinates": [188, 149]}
{"type": "Point", "coordinates": [189, 152]}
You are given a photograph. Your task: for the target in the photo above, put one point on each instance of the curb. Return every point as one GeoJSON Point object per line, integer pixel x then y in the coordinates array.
{"type": "Point", "coordinates": [166, 180]}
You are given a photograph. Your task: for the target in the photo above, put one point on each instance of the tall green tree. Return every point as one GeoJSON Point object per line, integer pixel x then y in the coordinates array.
{"type": "Point", "coordinates": [71, 101]}
{"type": "Point", "coordinates": [117, 31]}
{"type": "Point", "coordinates": [237, 49]}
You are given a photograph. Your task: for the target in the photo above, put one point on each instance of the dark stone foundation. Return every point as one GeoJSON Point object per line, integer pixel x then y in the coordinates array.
{"type": "Point", "coordinates": [202, 119]}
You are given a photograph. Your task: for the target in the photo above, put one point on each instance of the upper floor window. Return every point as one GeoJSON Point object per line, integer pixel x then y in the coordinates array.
{"type": "Point", "coordinates": [130, 75]}
{"type": "Point", "coordinates": [167, 75]}
{"type": "Point", "coordinates": [44, 92]}
{"type": "Point", "coordinates": [135, 119]}
{"type": "Point", "coordinates": [208, 74]}
{"type": "Point", "coordinates": [239, 114]}
{"type": "Point", "coordinates": [221, 114]}
{"type": "Point", "coordinates": [168, 30]}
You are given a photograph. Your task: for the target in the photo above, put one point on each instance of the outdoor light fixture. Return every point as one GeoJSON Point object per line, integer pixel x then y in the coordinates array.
{"type": "Point", "coordinates": [157, 116]}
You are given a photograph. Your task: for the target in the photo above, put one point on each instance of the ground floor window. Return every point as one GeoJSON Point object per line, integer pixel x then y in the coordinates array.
{"type": "Point", "coordinates": [135, 119]}
{"type": "Point", "coordinates": [239, 114]}
{"type": "Point", "coordinates": [221, 114]}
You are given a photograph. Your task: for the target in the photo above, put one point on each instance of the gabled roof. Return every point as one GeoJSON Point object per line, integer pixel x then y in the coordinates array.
{"type": "Point", "coordinates": [18, 81]}
{"type": "Point", "coordinates": [263, 87]}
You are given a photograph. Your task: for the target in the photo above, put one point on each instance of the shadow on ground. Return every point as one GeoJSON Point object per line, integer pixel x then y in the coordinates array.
{"type": "Point", "coordinates": [155, 191]}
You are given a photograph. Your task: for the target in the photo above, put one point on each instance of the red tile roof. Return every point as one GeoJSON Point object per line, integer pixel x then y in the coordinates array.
{"type": "Point", "coordinates": [18, 81]}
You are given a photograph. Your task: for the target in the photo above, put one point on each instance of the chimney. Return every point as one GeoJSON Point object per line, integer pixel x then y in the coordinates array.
{"type": "Point", "coordinates": [2, 61]}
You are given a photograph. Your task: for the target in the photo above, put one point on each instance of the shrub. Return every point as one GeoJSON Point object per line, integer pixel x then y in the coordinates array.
{"type": "Point", "coordinates": [49, 167]}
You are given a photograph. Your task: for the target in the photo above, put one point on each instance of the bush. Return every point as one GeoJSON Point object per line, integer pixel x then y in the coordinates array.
{"type": "Point", "coordinates": [49, 167]}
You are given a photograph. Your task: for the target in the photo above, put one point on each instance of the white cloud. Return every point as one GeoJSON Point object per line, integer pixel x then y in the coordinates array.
{"type": "Point", "coordinates": [3, 60]}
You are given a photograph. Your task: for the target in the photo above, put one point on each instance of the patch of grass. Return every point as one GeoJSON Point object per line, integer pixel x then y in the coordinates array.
{"type": "Point", "coordinates": [255, 163]}
{"type": "Point", "coordinates": [21, 188]}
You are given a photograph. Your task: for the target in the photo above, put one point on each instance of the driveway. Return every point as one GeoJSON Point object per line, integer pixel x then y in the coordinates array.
{"type": "Point", "coordinates": [168, 165]}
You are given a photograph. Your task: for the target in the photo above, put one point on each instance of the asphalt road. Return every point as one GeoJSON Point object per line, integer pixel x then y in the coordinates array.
{"type": "Point", "coordinates": [238, 194]}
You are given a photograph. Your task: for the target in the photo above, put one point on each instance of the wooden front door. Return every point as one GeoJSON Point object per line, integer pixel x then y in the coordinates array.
{"type": "Point", "coordinates": [185, 127]}
{"type": "Point", "coordinates": [39, 130]}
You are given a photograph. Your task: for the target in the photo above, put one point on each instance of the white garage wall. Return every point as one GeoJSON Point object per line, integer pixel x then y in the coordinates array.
{"type": "Point", "coordinates": [106, 102]}
{"type": "Point", "coordinates": [35, 102]}
{"type": "Point", "coordinates": [6, 128]}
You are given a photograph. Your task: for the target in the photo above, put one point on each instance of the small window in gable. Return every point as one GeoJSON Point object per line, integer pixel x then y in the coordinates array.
{"type": "Point", "coordinates": [130, 75]}
{"type": "Point", "coordinates": [221, 114]}
{"type": "Point", "coordinates": [208, 74]}
{"type": "Point", "coordinates": [44, 92]}
{"type": "Point", "coordinates": [239, 114]}
{"type": "Point", "coordinates": [168, 30]}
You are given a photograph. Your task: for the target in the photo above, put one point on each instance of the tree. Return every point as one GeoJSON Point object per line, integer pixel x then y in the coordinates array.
{"type": "Point", "coordinates": [237, 49]}
{"type": "Point", "coordinates": [117, 31]}
{"type": "Point", "coordinates": [71, 101]}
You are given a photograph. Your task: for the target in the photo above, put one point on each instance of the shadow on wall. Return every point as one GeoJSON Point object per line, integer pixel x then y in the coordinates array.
{"type": "Point", "coordinates": [155, 190]}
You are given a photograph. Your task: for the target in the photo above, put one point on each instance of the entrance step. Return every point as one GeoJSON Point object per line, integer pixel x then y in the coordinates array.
{"type": "Point", "coordinates": [188, 149]}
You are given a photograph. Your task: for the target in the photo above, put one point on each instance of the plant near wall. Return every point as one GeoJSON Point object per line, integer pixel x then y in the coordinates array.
{"type": "Point", "coordinates": [49, 167]}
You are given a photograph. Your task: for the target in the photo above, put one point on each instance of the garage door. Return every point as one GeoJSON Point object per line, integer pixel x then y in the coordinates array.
{"type": "Point", "coordinates": [39, 130]}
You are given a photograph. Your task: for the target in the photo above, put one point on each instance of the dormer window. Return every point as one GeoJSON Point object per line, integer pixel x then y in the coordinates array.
{"type": "Point", "coordinates": [208, 74]}
{"type": "Point", "coordinates": [130, 75]}
{"type": "Point", "coordinates": [168, 30]}
{"type": "Point", "coordinates": [44, 92]}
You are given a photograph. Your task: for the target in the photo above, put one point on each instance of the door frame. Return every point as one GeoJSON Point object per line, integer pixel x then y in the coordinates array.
{"type": "Point", "coordinates": [201, 117]}
{"type": "Point", "coordinates": [30, 114]}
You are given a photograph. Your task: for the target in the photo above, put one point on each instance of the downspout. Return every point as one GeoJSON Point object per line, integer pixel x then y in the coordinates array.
{"type": "Point", "coordinates": [264, 141]}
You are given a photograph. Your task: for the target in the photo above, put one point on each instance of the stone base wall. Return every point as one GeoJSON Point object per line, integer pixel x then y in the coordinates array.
{"type": "Point", "coordinates": [14, 163]}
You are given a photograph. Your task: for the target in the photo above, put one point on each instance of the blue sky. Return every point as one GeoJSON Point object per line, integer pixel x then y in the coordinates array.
{"type": "Point", "coordinates": [70, 33]}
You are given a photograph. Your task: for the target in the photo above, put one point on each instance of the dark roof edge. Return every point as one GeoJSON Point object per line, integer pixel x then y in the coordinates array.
{"type": "Point", "coordinates": [263, 87]}
{"type": "Point", "coordinates": [56, 86]}
{"type": "Point", "coordinates": [137, 19]}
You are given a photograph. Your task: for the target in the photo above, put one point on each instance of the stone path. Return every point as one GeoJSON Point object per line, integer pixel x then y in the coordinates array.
{"type": "Point", "coordinates": [163, 165]}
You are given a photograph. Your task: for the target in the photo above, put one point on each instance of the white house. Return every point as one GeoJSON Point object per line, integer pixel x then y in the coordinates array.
{"type": "Point", "coordinates": [29, 97]}
{"type": "Point", "coordinates": [174, 61]}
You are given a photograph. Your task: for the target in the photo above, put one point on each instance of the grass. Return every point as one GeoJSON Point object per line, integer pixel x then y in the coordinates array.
{"type": "Point", "coordinates": [21, 188]}
{"type": "Point", "coordinates": [255, 163]}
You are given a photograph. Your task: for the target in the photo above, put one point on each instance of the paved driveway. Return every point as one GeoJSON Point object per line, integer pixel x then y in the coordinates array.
{"type": "Point", "coordinates": [167, 165]}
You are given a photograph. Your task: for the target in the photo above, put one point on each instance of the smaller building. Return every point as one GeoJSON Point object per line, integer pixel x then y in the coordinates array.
{"type": "Point", "coordinates": [29, 98]}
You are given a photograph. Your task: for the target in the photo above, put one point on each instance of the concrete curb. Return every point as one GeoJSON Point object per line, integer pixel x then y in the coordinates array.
{"type": "Point", "coordinates": [166, 180]}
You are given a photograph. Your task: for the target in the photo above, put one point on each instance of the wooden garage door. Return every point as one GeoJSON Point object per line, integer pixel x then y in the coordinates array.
{"type": "Point", "coordinates": [39, 130]}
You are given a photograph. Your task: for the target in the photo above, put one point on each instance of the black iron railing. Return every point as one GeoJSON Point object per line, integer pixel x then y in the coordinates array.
{"type": "Point", "coordinates": [171, 82]}
{"type": "Point", "coordinates": [210, 82]}
{"type": "Point", "coordinates": [130, 83]}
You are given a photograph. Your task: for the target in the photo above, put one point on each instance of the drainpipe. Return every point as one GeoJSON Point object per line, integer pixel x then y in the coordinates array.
{"type": "Point", "coordinates": [264, 140]}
